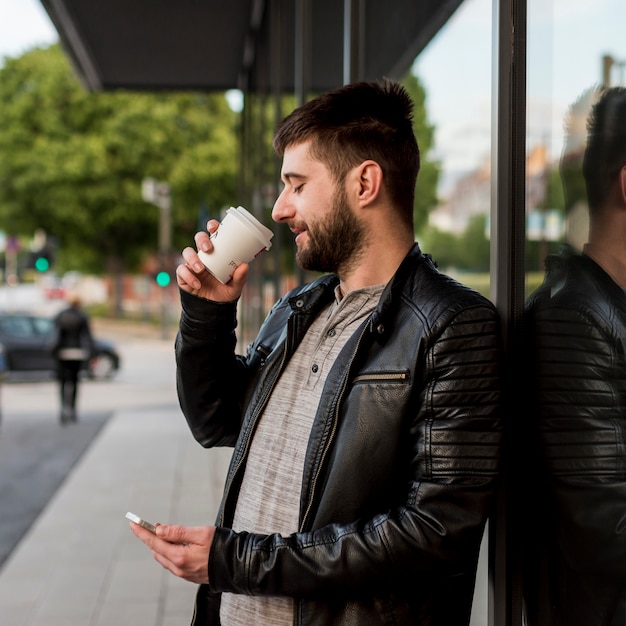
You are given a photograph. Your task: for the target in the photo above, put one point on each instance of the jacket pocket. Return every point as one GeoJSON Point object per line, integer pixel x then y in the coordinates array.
{"type": "Point", "coordinates": [383, 377]}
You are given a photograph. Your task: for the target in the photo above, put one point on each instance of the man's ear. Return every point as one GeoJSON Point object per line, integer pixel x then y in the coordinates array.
{"type": "Point", "coordinates": [369, 177]}
{"type": "Point", "coordinates": [622, 184]}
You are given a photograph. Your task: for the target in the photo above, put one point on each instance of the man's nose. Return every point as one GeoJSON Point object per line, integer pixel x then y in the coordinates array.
{"type": "Point", "coordinates": [282, 210]}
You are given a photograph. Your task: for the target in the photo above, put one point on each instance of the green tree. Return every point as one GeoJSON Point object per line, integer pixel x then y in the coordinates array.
{"type": "Point", "coordinates": [554, 195]}
{"type": "Point", "coordinates": [474, 245]}
{"type": "Point", "coordinates": [72, 162]}
{"type": "Point", "coordinates": [428, 178]}
{"type": "Point", "coordinates": [467, 251]}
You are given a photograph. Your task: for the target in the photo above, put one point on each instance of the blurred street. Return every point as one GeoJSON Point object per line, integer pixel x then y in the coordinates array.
{"type": "Point", "coordinates": [36, 453]}
{"type": "Point", "coordinates": [67, 555]}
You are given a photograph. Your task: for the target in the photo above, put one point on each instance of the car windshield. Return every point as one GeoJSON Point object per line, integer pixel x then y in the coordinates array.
{"type": "Point", "coordinates": [43, 325]}
{"type": "Point", "coordinates": [16, 326]}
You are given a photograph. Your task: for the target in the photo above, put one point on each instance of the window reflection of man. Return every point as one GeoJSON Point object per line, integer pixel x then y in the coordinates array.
{"type": "Point", "coordinates": [577, 525]}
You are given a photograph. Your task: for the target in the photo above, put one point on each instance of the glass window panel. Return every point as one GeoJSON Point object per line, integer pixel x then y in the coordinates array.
{"type": "Point", "coordinates": [455, 69]}
{"type": "Point", "coordinates": [567, 43]}
{"type": "Point", "coordinates": [576, 330]}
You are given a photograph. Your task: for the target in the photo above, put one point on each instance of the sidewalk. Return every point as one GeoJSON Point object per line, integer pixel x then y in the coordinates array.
{"type": "Point", "coordinates": [80, 564]}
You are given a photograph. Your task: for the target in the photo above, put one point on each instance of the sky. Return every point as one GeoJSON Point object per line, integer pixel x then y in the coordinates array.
{"type": "Point", "coordinates": [24, 24]}
{"type": "Point", "coordinates": [566, 40]}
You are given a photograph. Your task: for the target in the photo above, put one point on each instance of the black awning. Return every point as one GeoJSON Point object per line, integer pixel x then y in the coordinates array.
{"type": "Point", "coordinates": [216, 45]}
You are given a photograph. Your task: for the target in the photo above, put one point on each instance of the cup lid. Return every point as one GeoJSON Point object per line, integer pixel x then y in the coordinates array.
{"type": "Point", "coordinates": [267, 233]}
{"type": "Point", "coordinates": [250, 223]}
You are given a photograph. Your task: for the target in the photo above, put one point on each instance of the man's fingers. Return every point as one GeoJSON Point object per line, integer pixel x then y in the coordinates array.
{"type": "Point", "coordinates": [185, 535]}
{"type": "Point", "coordinates": [182, 550]}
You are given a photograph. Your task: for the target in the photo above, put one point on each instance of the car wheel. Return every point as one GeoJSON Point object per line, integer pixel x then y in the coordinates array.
{"type": "Point", "coordinates": [101, 367]}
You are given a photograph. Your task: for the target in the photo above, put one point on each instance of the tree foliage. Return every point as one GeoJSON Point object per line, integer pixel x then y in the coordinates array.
{"type": "Point", "coordinates": [72, 161]}
{"type": "Point", "coordinates": [428, 177]}
{"type": "Point", "coordinates": [468, 251]}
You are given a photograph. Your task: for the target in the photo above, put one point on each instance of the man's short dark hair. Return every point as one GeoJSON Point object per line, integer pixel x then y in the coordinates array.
{"type": "Point", "coordinates": [605, 154]}
{"type": "Point", "coordinates": [360, 121]}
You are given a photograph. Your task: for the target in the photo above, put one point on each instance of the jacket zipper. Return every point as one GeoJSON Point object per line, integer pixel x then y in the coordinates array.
{"type": "Point", "coordinates": [331, 437]}
{"type": "Point", "coordinates": [382, 376]}
{"type": "Point", "coordinates": [259, 408]}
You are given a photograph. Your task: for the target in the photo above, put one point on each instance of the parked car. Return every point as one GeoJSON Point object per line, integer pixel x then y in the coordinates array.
{"type": "Point", "coordinates": [26, 342]}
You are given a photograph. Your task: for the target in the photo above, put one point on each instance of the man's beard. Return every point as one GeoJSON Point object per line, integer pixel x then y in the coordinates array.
{"type": "Point", "coordinates": [335, 244]}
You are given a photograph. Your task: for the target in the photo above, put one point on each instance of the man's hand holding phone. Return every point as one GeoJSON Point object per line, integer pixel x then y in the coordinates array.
{"type": "Point", "coordinates": [182, 550]}
{"type": "Point", "coordinates": [142, 522]}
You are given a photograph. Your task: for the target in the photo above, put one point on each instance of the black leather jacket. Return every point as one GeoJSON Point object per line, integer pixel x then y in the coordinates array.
{"type": "Point", "coordinates": [576, 557]}
{"type": "Point", "coordinates": [403, 456]}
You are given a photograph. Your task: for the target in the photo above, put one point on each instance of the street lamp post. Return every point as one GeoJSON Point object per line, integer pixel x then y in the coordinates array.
{"type": "Point", "coordinates": [159, 194]}
{"type": "Point", "coordinates": [608, 62]}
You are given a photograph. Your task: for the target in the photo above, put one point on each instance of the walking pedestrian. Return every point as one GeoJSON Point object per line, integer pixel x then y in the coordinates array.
{"type": "Point", "coordinates": [73, 347]}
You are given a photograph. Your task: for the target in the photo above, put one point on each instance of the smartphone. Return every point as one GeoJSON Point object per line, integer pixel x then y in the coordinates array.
{"type": "Point", "coordinates": [142, 522]}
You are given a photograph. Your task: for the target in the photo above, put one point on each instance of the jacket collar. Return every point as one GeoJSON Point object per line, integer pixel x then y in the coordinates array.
{"type": "Point", "coordinates": [311, 298]}
{"type": "Point", "coordinates": [394, 289]}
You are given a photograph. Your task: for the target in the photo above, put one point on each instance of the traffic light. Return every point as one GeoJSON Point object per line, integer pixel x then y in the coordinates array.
{"type": "Point", "coordinates": [42, 264]}
{"type": "Point", "coordinates": [42, 251]}
{"type": "Point", "coordinates": [40, 260]}
{"type": "Point", "coordinates": [163, 279]}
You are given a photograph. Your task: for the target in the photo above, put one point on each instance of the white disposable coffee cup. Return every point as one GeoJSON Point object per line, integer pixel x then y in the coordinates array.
{"type": "Point", "coordinates": [240, 238]}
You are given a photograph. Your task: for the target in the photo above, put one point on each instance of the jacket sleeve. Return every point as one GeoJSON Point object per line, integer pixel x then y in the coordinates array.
{"type": "Point", "coordinates": [210, 377]}
{"type": "Point", "coordinates": [582, 391]}
{"type": "Point", "coordinates": [449, 479]}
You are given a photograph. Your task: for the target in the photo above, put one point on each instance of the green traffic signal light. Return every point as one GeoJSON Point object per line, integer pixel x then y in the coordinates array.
{"type": "Point", "coordinates": [162, 279]}
{"type": "Point", "coordinates": [42, 264]}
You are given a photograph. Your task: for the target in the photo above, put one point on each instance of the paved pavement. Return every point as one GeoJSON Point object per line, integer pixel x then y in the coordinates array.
{"type": "Point", "coordinates": [78, 563]}
{"type": "Point", "coordinates": [35, 457]}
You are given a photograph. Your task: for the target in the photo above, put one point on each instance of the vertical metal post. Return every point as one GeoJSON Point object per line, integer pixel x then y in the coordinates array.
{"type": "Point", "coordinates": [160, 195]}
{"type": "Point", "coordinates": [302, 68]}
{"type": "Point", "coordinates": [607, 64]}
{"type": "Point", "coordinates": [165, 219]}
{"type": "Point", "coordinates": [164, 202]}
{"type": "Point", "coordinates": [302, 56]}
{"type": "Point", "coordinates": [352, 41]}
{"type": "Point", "coordinates": [277, 17]}
{"type": "Point", "coordinates": [508, 278]}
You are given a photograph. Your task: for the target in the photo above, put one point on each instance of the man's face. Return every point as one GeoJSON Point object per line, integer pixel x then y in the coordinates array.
{"type": "Point", "coordinates": [329, 237]}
